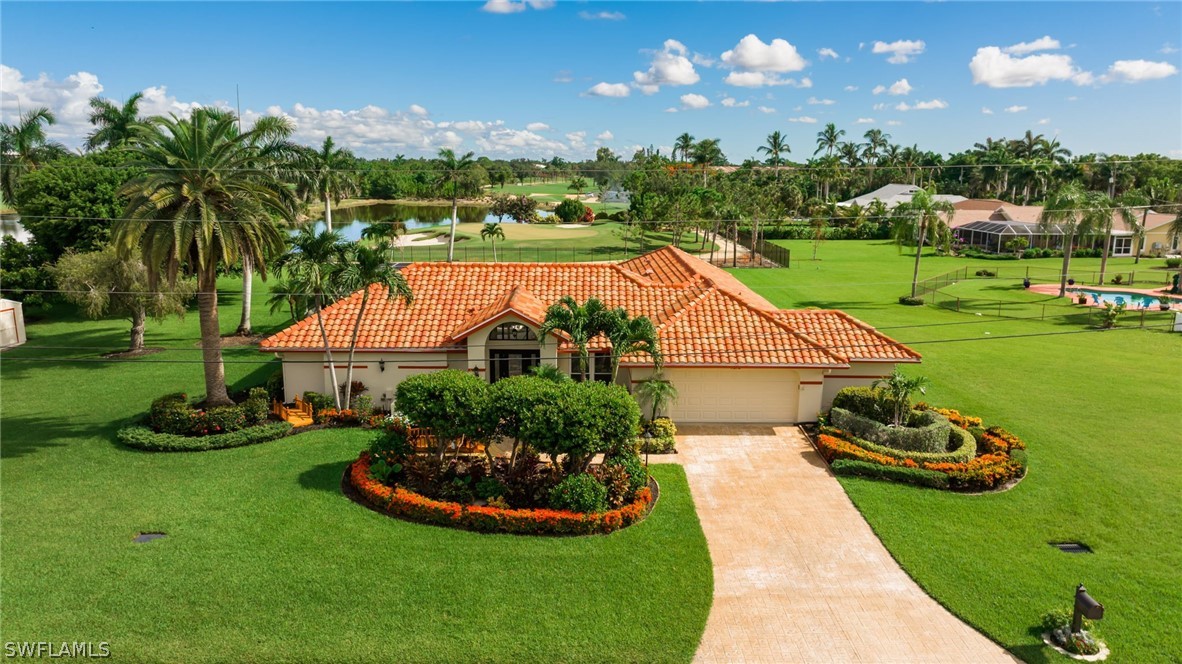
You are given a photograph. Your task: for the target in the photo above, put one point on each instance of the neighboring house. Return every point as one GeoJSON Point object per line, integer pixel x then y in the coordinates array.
{"type": "Point", "coordinates": [1157, 234]}
{"type": "Point", "coordinates": [893, 195]}
{"type": "Point", "coordinates": [731, 354]}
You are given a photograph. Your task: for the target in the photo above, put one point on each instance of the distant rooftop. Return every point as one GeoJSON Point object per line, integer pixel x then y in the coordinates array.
{"type": "Point", "coordinates": [896, 194]}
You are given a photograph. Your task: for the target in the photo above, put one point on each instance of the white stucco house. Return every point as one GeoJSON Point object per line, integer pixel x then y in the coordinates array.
{"type": "Point", "coordinates": [732, 355]}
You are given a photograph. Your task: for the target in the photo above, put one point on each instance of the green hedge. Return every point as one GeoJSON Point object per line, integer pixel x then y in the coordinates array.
{"type": "Point", "coordinates": [929, 431]}
{"type": "Point", "coordinates": [876, 404]}
{"type": "Point", "coordinates": [145, 439]}
{"type": "Point", "coordinates": [928, 478]}
{"type": "Point", "coordinates": [962, 448]}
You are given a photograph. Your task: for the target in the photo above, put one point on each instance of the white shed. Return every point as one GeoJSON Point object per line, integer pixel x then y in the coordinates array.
{"type": "Point", "coordinates": [12, 324]}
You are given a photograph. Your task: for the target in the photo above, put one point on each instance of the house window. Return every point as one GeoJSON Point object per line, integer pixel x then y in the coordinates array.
{"type": "Point", "coordinates": [1122, 246]}
{"type": "Point", "coordinates": [512, 332]}
{"type": "Point", "coordinates": [600, 368]}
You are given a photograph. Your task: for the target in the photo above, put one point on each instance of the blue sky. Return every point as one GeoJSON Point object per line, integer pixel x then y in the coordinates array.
{"type": "Point", "coordinates": [513, 79]}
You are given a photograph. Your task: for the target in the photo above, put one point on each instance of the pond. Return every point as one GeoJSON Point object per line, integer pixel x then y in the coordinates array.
{"type": "Point", "coordinates": [10, 226]}
{"type": "Point", "coordinates": [351, 220]}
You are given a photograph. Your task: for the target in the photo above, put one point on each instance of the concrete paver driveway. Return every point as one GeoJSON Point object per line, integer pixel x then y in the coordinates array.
{"type": "Point", "coordinates": [798, 574]}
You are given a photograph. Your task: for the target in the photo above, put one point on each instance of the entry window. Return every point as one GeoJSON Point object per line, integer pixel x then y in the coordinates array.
{"type": "Point", "coordinates": [512, 332]}
{"type": "Point", "coordinates": [509, 363]}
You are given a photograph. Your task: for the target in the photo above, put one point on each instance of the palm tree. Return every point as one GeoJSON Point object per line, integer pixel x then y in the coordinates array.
{"type": "Point", "coordinates": [828, 139]}
{"type": "Point", "coordinates": [451, 171]}
{"type": "Point", "coordinates": [577, 185]}
{"type": "Point", "coordinates": [632, 335]}
{"type": "Point", "coordinates": [114, 125]}
{"type": "Point", "coordinates": [310, 267]}
{"type": "Point", "coordinates": [774, 148]}
{"type": "Point", "coordinates": [24, 147]}
{"type": "Point", "coordinates": [656, 391]}
{"type": "Point", "coordinates": [580, 322]}
{"type": "Point", "coordinates": [1063, 209]}
{"type": "Point", "coordinates": [1174, 234]}
{"type": "Point", "coordinates": [1104, 211]}
{"type": "Point", "coordinates": [386, 229]}
{"type": "Point", "coordinates": [328, 175]}
{"type": "Point", "coordinates": [362, 268]}
{"type": "Point", "coordinates": [920, 218]}
{"type": "Point", "coordinates": [492, 232]}
{"type": "Point", "coordinates": [284, 295]}
{"type": "Point", "coordinates": [707, 153]}
{"type": "Point", "coordinates": [203, 201]}
{"type": "Point", "coordinates": [876, 141]}
{"type": "Point", "coordinates": [900, 387]}
{"type": "Point", "coordinates": [684, 144]}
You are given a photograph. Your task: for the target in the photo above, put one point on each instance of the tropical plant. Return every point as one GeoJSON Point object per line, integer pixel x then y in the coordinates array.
{"type": "Point", "coordinates": [921, 218]}
{"type": "Point", "coordinates": [899, 387]}
{"type": "Point", "coordinates": [24, 147]}
{"type": "Point", "coordinates": [577, 185]}
{"type": "Point", "coordinates": [384, 229]}
{"type": "Point", "coordinates": [492, 232]}
{"type": "Point", "coordinates": [451, 172]}
{"type": "Point", "coordinates": [182, 219]}
{"type": "Point", "coordinates": [570, 211]}
{"type": "Point", "coordinates": [657, 392]}
{"type": "Point", "coordinates": [774, 148]}
{"type": "Point", "coordinates": [631, 335]}
{"type": "Point", "coordinates": [327, 174]}
{"type": "Point", "coordinates": [362, 268]}
{"type": "Point", "coordinates": [1066, 209]}
{"type": "Point", "coordinates": [683, 145]}
{"type": "Point", "coordinates": [1107, 211]}
{"type": "Point", "coordinates": [828, 139]}
{"type": "Point", "coordinates": [706, 153]}
{"type": "Point", "coordinates": [580, 323]}
{"type": "Point", "coordinates": [114, 125]}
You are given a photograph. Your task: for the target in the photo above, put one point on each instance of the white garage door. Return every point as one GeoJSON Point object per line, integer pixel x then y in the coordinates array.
{"type": "Point", "coordinates": [734, 395]}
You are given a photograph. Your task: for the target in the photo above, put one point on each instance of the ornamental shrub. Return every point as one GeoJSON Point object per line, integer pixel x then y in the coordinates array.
{"type": "Point", "coordinates": [569, 211]}
{"type": "Point", "coordinates": [630, 462]}
{"type": "Point", "coordinates": [491, 487]}
{"type": "Point", "coordinates": [581, 420]}
{"type": "Point", "coordinates": [929, 431]}
{"type": "Point", "coordinates": [1174, 263]}
{"type": "Point", "coordinates": [510, 399]}
{"type": "Point", "coordinates": [617, 482]}
{"type": "Point", "coordinates": [579, 493]}
{"type": "Point", "coordinates": [145, 439]}
{"type": "Point", "coordinates": [663, 433]}
{"type": "Point", "coordinates": [319, 402]}
{"type": "Point", "coordinates": [877, 404]}
{"type": "Point", "coordinates": [449, 402]}
{"type": "Point", "coordinates": [918, 476]}
{"type": "Point", "coordinates": [170, 414]}
{"type": "Point", "coordinates": [961, 448]}
{"type": "Point", "coordinates": [256, 406]}
{"type": "Point", "coordinates": [910, 300]}
{"type": "Point", "coordinates": [363, 405]}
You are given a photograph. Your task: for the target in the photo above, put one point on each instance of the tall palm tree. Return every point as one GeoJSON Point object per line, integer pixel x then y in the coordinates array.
{"type": "Point", "coordinates": [385, 229]}
{"type": "Point", "coordinates": [577, 185]}
{"type": "Point", "coordinates": [1104, 211]}
{"type": "Point", "coordinates": [114, 125]}
{"type": "Point", "coordinates": [492, 232]}
{"type": "Point", "coordinates": [24, 147]}
{"type": "Point", "coordinates": [828, 139]}
{"type": "Point", "coordinates": [310, 267]}
{"type": "Point", "coordinates": [876, 141]}
{"type": "Point", "coordinates": [920, 218]}
{"type": "Point", "coordinates": [775, 146]}
{"type": "Point", "coordinates": [362, 268]}
{"type": "Point", "coordinates": [580, 322]}
{"type": "Point", "coordinates": [451, 172]}
{"type": "Point", "coordinates": [684, 144]}
{"type": "Point", "coordinates": [203, 201]}
{"type": "Point", "coordinates": [328, 175]}
{"type": "Point", "coordinates": [632, 335]}
{"type": "Point", "coordinates": [1064, 208]}
{"type": "Point", "coordinates": [706, 153]}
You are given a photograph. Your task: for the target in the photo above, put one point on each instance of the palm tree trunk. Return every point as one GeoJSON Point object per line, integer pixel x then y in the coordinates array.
{"type": "Point", "coordinates": [494, 243]}
{"type": "Point", "coordinates": [1141, 240]}
{"type": "Point", "coordinates": [1104, 256]}
{"type": "Point", "coordinates": [918, 254]}
{"type": "Point", "coordinates": [1068, 242]}
{"type": "Point", "coordinates": [244, 327]}
{"type": "Point", "coordinates": [327, 213]}
{"type": "Point", "coordinates": [332, 369]}
{"type": "Point", "coordinates": [714, 241]}
{"type": "Point", "coordinates": [211, 342]}
{"type": "Point", "coordinates": [137, 329]}
{"type": "Point", "coordinates": [353, 350]}
{"type": "Point", "coordinates": [451, 239]}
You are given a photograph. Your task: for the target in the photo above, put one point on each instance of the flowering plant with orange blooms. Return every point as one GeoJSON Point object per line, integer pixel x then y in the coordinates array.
{"type": "Point", "coordinates": [955, 416]}
{"type": "Point", "coordinates": [832, 448]}
{"type": "Point", "coordinates": [415, 507]}
{"type": "Point", "coordinates": [985, 471]}
{"type": "Point", "coordinates": [999, 441]}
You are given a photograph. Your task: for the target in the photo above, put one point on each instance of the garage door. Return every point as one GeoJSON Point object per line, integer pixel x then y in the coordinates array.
{"type": "Point", "coordinates": [734, 395]}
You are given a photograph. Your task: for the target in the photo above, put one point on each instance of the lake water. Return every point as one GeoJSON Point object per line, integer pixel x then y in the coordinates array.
{"type": "Point", "coordinates": [10, 226]}
{"type": "Point", "coordinates": [350, 221]}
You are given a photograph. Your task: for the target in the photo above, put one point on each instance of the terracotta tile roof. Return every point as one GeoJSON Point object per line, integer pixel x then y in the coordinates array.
{"type": "Point", "coordinates": [847, 336]}
{"type": "Point", "coordinates": [704, 316]}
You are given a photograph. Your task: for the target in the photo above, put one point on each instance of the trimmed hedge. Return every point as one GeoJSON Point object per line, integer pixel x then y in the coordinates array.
{"type": "Point", "coordinates": [143, 438]}
{"type": "Point", "coordinates": [928, 478]}
{"type": "Point", "coordinates": [873, 403]}
{"type": "Point", "coordinates": [931, 435]}
{"type": "Point", "coordinates": [962, 447]}
{"type": "Point", "coordinates": [663, 439]}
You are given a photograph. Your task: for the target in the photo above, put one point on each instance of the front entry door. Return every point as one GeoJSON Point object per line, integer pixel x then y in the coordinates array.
{"type": "Point", "coordinates": [506, 363]}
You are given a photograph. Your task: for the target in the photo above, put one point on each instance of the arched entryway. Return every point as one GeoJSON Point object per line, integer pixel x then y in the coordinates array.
{"type": "Point", "coordinates": [512, 351]}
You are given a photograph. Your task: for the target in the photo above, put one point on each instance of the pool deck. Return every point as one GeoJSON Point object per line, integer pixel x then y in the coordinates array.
{"type": "Point", "coordinates": [1053, 289]}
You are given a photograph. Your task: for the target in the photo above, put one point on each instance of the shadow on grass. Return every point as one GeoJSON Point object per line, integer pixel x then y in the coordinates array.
{"type": "Point", "coordinates": [325, 477]}
{"type": "Point", "coordinates": [24, 435]}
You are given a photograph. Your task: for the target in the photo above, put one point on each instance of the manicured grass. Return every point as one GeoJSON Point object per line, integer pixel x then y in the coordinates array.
{"type": "Point", "coordinates": [554, 192]}
{"type": "Point", "coordinates": [1099, 411]}
{"type": "Point", "coordinates": [265, 560]}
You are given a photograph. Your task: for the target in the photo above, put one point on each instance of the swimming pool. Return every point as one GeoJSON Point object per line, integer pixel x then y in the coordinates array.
{"type": "Point", "coordinates": [1130, 300]}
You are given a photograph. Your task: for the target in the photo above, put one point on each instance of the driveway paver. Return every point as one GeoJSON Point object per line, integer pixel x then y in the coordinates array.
{"type": "Point", "coordinates": [798, 574]}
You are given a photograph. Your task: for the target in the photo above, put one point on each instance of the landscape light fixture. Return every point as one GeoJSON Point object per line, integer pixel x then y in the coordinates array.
{"type": "Point", "coordinates": [648, 439]}
{"type": "Point", "coordinates": [1085, 607]}
{"type": "Point", "coordinates": [382, 366]}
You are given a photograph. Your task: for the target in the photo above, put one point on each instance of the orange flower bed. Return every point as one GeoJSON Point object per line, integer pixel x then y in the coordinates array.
{"type": "Point", "coordinates": [410, 505]}
{"type": "Point", "coordinates": [833, 447]}
{"type": "Point", "coordinates": [999, 441]}
{"type": "Point", "coordinates": [987, 470]}
{"type": "Point", "coordinates": [955, 416]}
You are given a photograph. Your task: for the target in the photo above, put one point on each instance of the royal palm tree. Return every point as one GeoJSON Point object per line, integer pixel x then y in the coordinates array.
{"type": "Point", "coordinates": [684, 144]}
{"type": "Point", "coordinates": [492, 232]}
{"type": "Point", "coordinates": [328, 175]}
{"type": "Point", "coordinates": [774, 148]}
{"type": "Point", "coordinates": [114, 125]}
{"type": "Point", "coordinates": [24, 147]}
{"type": "Point", "coordinates": [203, 201]}
{"type": "Point", "coordinates": [632, 335]}
{"type": "Point", "coordinates": [828, 139]}
{"type": "Point", "coordinates": [876, 142]}
{"type": "Point", "coordinates": [364, 268]}
{"type": "Point", "coordinates": [900, 387]}
{"type": "Point", "coordinates": [919, 219]}
{"type": "Point", "coordinates": [310, 268]}
{"type": "Point", "coordinates": [451, 172]}
{"type": "Point", "coordinates": [580, 322]}
{"type": "Point", "coordinates": [1065, 209]}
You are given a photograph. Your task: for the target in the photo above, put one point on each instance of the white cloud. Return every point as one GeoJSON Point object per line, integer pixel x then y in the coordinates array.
{"type": "Point", "coordinates": [985, 110]}
{"type": "Point", "coordinates": [1136, 71]}
{"type": "Point", "coordinates": [538, 126]}
{"type": "Point", "coordinates": [1044, 121]}
{"type": "Point", "coordinates": [1015, 108]}
{"type": "Point", "coordinates": [671, 109]}
{"type": "Point", "coordinates": [606, 135]}
{"type": "Point", "coordinates": [563, 76]}
{"type": "Point", "coordinates": [1073, 98]}
{"type": "Point", "coordinates": [605, 89]}
{"type": "Point", "coordinates": [850, 88]}
{"type": "Point", "coordinates": [757, 79]}
{"type": "Point", "coordinates": [1041, 44]}
{"type": "Point", "coordinates": [805, 119]}
{"type": "Point", "coordinates": [1167, 49]}
{"type": "Point", "coordinates": [731, 102]}
{"type": "Point", "coordinates": [417, 110]}
{"type": "Point", "coordinates": [704, 60]}
{"type": "Point", "coordinates": [813, 101]}
{"type": "Point", "coordinates": [901, 51]}
{"type": "Point", "coordinates": [932, 105]}
{"type": "Point", "coordinates": [767, 109]}
{"type": "Point", "coordinates": [899, 87]}
{"type": "Point", "coordinates": [827, 53]}
{"type": "Point", "coordinates": [515, 6]}
{"type": "Point", "coordinates": [695, 101]}
{"type": "Point", "coordinates": [880, 106]}
{"type": "Point", "coordinates": [752, 55]}
{"type": "Point", "coordinates": [894, 123]}
{"type": "Point", "coordinates": [602, 16]}
{"type": "Point", "coordinates": [864, 121]}
{"type": "Point", "coordinates": [669, 66]}
{"type": "Point", "coordinates": [991, 67]}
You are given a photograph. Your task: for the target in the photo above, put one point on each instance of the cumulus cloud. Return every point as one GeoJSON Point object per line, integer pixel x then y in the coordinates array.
{"type": "Point", "coordinates": [997, 69]}
{"type": "Point", "coordinates": [1044, 121]}
{"type": "Point", "coordinates": [669, 66]}
{"type": "Point", "coordinates": [985, 110]}
{"type": "Point", "coordinates": [563, 76]}
{"type": "Point", "coordinates": [804, 118]}
{"type": "Point", "coordinates": [605, 135]}
{"type": "Point", "coordinates": [901, 51]}
{"type": "Point", "coordinates": [601, 16]}
{"type": "Point", "coordinates": [671, 109]}
{"type": "Point", "coordinates": [935, 104]}
{"type": "Point", "coordinates": [898, 88]}
{"type": "Point", "coordinates": [753, 55]}
{"type": "Point", "coordinates": [694, 101]}
{"type": "Point", "coordinates": [605, 89]}
{"type": "Point", "coordinates": [894, 123]}
{"type": "Point", "coordinates": [1015, 108]}
{"type": "Point", "coordinates": [827, 53]}
{"type": "Point", "coordinates": [813, 101]}
{"type": "Point", "coordinates": [1136, 71]}
{"type": "Point", "coordinates": [1041, 44]}
{"type": "Point", "coordinates": [514, 6]}
{"type": "Point", "coordinates": [1167, 49]}
{"type": "Point", "coordinates": [850, 88]}
{"type": "Point", "coordinates": [758, 79]}
{"type": "Point", "coordinates": [417, 110]}
{"type": "Point", "coordinates": [538, 126]}
{"type": "Point", "coordinates": [864, 121]}
{"type": "Point", "coordinates": [767, 109]}
{"type": "Point", "coordinates": [731, 102]}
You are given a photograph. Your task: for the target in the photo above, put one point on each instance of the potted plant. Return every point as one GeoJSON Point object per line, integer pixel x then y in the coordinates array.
{"type": "Point", "coordinates": [1081, 298]}
{"type": "Point", "coordinates": [1163, 303]}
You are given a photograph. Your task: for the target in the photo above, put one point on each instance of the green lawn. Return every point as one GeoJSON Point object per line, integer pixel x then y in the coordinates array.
{"type": "Point", "coordinates": [266, 560]}
{"type": "Point", "coordinates": [554, 192]}
{"type": "Point", "coordinates": [1100, 412]}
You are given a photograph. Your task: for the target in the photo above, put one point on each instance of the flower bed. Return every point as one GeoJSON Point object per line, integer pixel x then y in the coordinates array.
{"type": "Point", "coordinates": [414, 507]}
{"type": "Point", "coordinates": [143, 438]}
